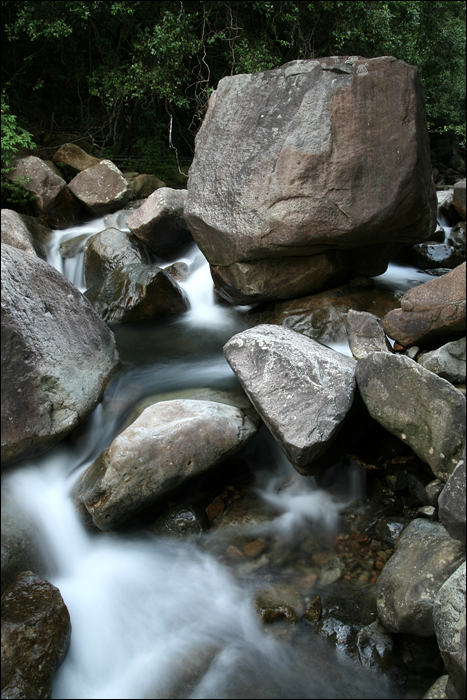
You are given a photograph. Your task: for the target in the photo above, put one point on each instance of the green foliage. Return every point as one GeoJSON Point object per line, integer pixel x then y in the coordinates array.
{"type": "Point", "coordinates": [14, 137]}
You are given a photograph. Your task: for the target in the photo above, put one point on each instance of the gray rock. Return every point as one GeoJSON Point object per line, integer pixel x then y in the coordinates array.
{"type": "Point", "coordinates": [457, 237]}
{"type": "Point", "coordinates": [433, 490]}
{"type": "Point", "coordinates": [365, 334]}
{"type": "Point", "coordinates": [74, 158]}
{"type": "Point", "coordinates": [168, 444]}
{"type": "Point", "coordinates": [437, 690]}
{"type": "Point", "coordinates": [36, 632]}
{"type": "Point", "coordinates": [101, 188]}
{"type": "Point", "coordinates": [302, 390]}
{"type": "Point", "coordinates": [180, 521]}
{"type": "Point", "coordinates": [449, 621]}
{"type": "Point", "coordinates": [375, 645]}
{"type": "Point", "coordinates": [110, 250]}
{"type": "Point", "coordinates": [159, 222]}
{"type": "Point", "coordinates": [447, 361]}
{"type": "Point", "coordinates": [451, 502]}
{"type": "Point", "coordinates": [57, 355]}
{"type": "Point", "coordinates": [144, 185]}
{"type": "Point", "coordinates": [135, 293]}
{"type": "Point", "coordinates": [25, 232]}
{"type": "Point", "coordinates": [431, 255]}
{"type": "Point", "coordinates": [406, 589]}
{"type": "Point", "coordinates": [390, 529]}
{"type": "Point", "coordinates": [42, 182]}
{"type": "Point", "coordinates": [417, 406]}
{"type": "Point", "coordinates": [276, 153]}
{"type": "Point", "coordinates": [458, 198]}
{"type": "Point", "coordinates": [73, 246]}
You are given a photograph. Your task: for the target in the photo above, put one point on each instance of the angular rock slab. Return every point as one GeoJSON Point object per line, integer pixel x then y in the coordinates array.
{"type": "Point", "coordinates": [36, 632]}
{"type": "Point", "coordinates": [449, 619]}
{"type": "Point", "coordinates": [169, 443]}
{"type": "Point", "coordinates": [101, 188]}
{"type": "Point", "coordinates": [300, 388]}
{"type": "Point", "coordinates": [109, 250]}
{"type": "Point", "coordinates": [430, 311]}
{"type": "Point", "coordinates": [137, 292]}
{"type": "Point", "coordinates": [25, 232]}
{"type": "Point", "coordinates": [451, 502]}
{"type": "Point", "coordinates": [447, 361]}
{"type": "Point", "coordinates": [159, 222]}
{"type": "Point", "coordinates": [294, 162]}
{"type": "Point", "coordinates": [417, 406]}
{"type": "Point", "coordinates": [57, 355]}
{"type": "Point", "coordinates": [425, 557]}
{"type": "Point", "coordinates": [366, 334]}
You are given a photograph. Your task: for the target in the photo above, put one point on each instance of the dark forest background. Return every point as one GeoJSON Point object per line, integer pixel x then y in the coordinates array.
{"type": "Point", "coordinates": [118, 77]}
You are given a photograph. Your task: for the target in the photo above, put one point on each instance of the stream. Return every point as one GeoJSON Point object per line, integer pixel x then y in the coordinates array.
{"type": "Point", "coordinates": [157, 617]}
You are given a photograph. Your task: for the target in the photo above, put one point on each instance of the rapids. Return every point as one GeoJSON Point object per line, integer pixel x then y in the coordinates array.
{"type": "Point", "coordinates": [155, 617]}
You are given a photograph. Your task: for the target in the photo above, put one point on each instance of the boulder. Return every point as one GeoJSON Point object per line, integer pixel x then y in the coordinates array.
{"type": "Point", "coordinates": [159, 222]}
{"type": "Point", "coordinates": [451, 502]}
{"type": "Point", "coordinates": [431, 255]}
{"type": "Point", "coordinates": [73, 246]}
{"type": "Point", "coordinates": [430, 311]}
{"type": "Point", "coordinates": [458, 198]}
{"type": "Point", "coordinates": [449, 621]}
{"type": "Point", "coordinates": [57, 355]}
{"type": "Point", "coordinates": [365, 334]}
{"type": "Point", "coordinates": [457, 237]}
{"type": "Point", "coordinates": [101, 188]}
{"type": "Point", "coordinates": [168, 444]}
{"type": "Point", "coordinates": [136, 293]}
{"type": "Point", "coordinates": [74, 158]}
{"type": "Point", "coordinates": [447, 361]}
{"type": "Point", "coordinates": [294, 162]}
{"type": "Point", "coordinates": [36, 632]}
{"type": "Point", "coordinates": [25, 232]}
{"type": "Point", "coordinates": [420, 408]}
{"type": "Point", "coordinates": [180, 521]}
{"type": "Point", "coordinates": [323, 316]}
{"type": "Point", "coordinates": [110, 250]}
{"type": "Point", "coordinates": [302, 390]}
{"type": "Point", "coordinates": [52, 199]}
{"type": "Point", "coordinates": [425, 557]}
{"type": "Point", "coordinates": [144, 185]}
{"type": "Point", "coordinates": [437, 690]}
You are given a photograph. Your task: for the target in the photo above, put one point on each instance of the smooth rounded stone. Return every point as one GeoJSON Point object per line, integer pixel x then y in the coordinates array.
{"type": "Point", "coordinates": [21, 549]}
{"type": "Point", "coordinates": [178, 271]}
{"type": "Point", "coordinates": [449, 621]}
{"type": "Point", "coordinates": [451, 502]}
{"type": "Point", "coordinates": [447, 361]}
{"type": "Point", "coordinates": [423, 410]}
{"type": "Point", "coordinates": [110, 250]}
{"type": "Point", "coordinates": [323, 316]}
{"type": "Point", "coordinates": [437, 690]}
{"type": "Point", "coordinates": [389, 529]}
{"type": "Point", "coordinates": [135, 293]}
{"type": "Point", "coordinates": [36, 632]}
{"type": "Point", "coordinates": [57, 356]}
{"type": "Point", "coordinates": [425, 557]}
{"type": "Point", "coordinates": [431, 255]}
{"type": "Point", "coordinates": [180, 521]}
{"type": "Point", "coordinates": [282, 602]}
{"type": "Point", "coordinates": [25, 232]}
{"type": "Point", "coordinates": [144, 185]}
{"type": "Point", "coordinates": [457, 237]}
{"type": "Point", "coordinates": [168, 444]}
{"type": "Point", "coordinates": [458, 198]}
{"type": "Point", "coordinates": [302, 390]}
{"type": "Point", "coordinates": [277, 150]}
{"type": "Point", "coordinates": [433, 310]}
{"type": "Point", "coordinates": [365, 334]}
{"type": "Point", "coordinates": [101, 188]}
{"type": "Point", "coordinates": [74, 158]}
{"type": "Point", "coordinates": [73, 246]}
{"type": "Point", "coordinates": [374, 646]}
{"type": "Point", "coordinates": [159, 222]}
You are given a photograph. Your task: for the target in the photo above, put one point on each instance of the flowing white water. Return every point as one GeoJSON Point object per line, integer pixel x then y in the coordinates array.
{"type": "Point", "coordinates": [156, 618]}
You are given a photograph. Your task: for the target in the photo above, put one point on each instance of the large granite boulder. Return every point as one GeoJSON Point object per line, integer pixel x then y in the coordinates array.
{"type": "Point", "coordinates": [458, 198]}
{"type": "Point", "coordinates": [135, 293]}
{"type": "Point", "coordinates": [417, 406]}
{"type": "Point", "coordinates": [432, 311]}
{"type": "Point", "coordinates": [101, 188]}
{"type": "Point", "coordinates": [36, 632]}
{"type": "Point", "coordinates": [302, 390]}
{"type": "Point", "coordinates": [294, 162]}
{"type": "Point", "coordinates": [168, 444]}
{"type": "Point", "coordinates": [57, 355]}
{"type": "Point", "coordinates": [159, 222]}
{"type": "Point", "coordinates": [25, 232]}
{"type": "Point", "coordinates": [447, 361]}
{"type": "Point", "coordinates": [110, 250]}
{"type": "Point", "coordinates": [144, 185]}
{"type": "Point", "coordinates": [74, 158]}
{"type": "Point", "coordinates": [449, 620]}
{"type": "Point", "coordinates": [451, 502]}
{"type": "Point", "coordinates": [406, 589]}
{"type": "Point", "coordinates": [52, 198]}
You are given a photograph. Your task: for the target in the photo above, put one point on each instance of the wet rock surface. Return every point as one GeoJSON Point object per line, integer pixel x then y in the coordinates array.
{"type": "Point", "coordinates": [451, 503]}
{"type": "Point", "coordinates": [35, 636]}
{"type": "Point", "coordinates": [110, 250]}
{"type": "Point", "coordinates": [366, 334]}
{"type": "Point", "coordinates": [447, 362]}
